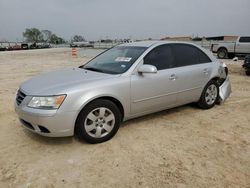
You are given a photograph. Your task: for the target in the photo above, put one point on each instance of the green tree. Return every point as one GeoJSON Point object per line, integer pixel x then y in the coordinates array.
{"type": "Point", "coordinates": [78, 38]}
{"type": "Point", "coordinates": [33, 35]}
{"type": "Point", "coordinates": [46, 35]}
{"type": "Point", "coordinates": [54, 39]}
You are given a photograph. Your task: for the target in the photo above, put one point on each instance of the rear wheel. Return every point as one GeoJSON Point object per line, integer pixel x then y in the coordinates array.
{"type": "Point", "coordinates": [248, 72]}
{"type": "Point", "coordinates": [222, 53]}
{"type": "Point", "coordinates": [209, 95]}
{"type": "Point", "coordinates": [98, 122]}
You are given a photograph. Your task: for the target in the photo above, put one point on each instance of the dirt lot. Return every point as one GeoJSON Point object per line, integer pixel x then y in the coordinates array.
{"type": "Point", "coordinates": [182, 147]}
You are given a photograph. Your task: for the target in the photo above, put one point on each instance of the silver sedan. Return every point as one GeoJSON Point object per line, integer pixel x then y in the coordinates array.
{"type": "Point", "coordinates": [124, 82]}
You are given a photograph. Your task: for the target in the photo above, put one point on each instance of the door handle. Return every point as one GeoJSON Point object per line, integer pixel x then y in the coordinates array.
{"type": "Point", "coordinates": [173, 77]}
{"type": "Point", "coordinates": [205, 71]}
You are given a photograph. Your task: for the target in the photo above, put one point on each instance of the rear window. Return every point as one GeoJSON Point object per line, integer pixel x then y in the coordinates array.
{"type": "Point", "coordinates": [244, 39]}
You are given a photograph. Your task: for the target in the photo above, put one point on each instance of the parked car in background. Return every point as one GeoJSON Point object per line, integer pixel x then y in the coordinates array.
{"type": "Point", "coordinates": [124, 82]}
{"type": "Point", "coordinates": [81, 44]}
{"type": "Point", "coordinates": [25, 46]}
{"type": "Point", "coordinates": [229, 49]}
{"type": "Point", "coordinates": [2, 48]}
{"type": "Point", "coordinates": [39, 45]}
{"type": "Point", "coordinates": [14, 47]}
{"type": "Point", "coordinates": [246, 65]}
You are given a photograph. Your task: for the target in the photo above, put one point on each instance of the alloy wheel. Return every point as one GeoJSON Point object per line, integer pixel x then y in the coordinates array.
{"type": "Point", "coordinates": [211, 94]}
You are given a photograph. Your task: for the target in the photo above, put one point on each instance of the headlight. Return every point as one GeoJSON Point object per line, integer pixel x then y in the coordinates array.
{"type": "Point", "coordinates": [48, 102]}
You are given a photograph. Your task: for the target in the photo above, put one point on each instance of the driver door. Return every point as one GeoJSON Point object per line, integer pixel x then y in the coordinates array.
{"type": "Point", "coordinates": [154, 91]}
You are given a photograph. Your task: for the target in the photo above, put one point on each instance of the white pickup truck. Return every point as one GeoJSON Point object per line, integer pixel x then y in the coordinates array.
{"type": "Point", "coordinates": [229, 49]}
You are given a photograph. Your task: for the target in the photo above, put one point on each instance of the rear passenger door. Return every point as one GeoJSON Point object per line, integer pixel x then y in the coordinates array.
{"type": "Point", "coordinates": [192, 69]}
{"type": "Point", "coordinates": [243, 45]}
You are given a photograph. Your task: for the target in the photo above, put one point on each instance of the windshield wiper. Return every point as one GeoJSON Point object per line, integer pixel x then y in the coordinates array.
{"type": "Point", "coordinates": [92, 69]}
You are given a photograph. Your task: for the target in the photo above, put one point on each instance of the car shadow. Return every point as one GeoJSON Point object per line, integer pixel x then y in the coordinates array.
{"type": "Point", "coordinates": [73, 139]}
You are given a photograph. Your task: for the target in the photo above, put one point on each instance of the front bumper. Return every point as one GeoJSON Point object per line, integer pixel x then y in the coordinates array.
{"type": "Point", "coordinates": [51, 123]}
{"type": "Point", "coordinates": [224, 90]}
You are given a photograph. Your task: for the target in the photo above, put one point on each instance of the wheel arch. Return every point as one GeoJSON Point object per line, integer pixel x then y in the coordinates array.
{"type": "Point", "coordinates": [215, 78]}
{"type": "Point", "coordinates": [106, 97]}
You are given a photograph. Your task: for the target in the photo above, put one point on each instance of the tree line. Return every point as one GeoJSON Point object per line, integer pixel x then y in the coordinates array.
{"type": "Point", "coordinates": [35, 35]}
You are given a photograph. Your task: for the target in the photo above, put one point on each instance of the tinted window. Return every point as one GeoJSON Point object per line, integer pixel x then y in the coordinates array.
{"type": "Point", "coordinates": [188, 55]}
{"type": "Point", "coordinates": [185, 55]}
{"type": "Point", "coordinates": [117, 60]}
{"type": "Point", "coordinates": [203, 58]}
{"type": "Point", "coordinates": [244, 39]}
{"type": "Point", "coordinates": [161, 57]}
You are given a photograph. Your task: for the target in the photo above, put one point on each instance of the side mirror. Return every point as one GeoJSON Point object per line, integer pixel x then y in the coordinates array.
{"type": "Point", "coordinates": [147, 69]}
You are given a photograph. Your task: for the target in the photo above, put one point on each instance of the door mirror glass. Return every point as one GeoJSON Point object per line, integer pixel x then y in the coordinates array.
{"type": "Point", "coordinates": [147, 69]}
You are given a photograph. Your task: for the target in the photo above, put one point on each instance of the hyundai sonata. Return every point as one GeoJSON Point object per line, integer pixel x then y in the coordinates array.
{"type": "Point", "coordinates": [124, 82]}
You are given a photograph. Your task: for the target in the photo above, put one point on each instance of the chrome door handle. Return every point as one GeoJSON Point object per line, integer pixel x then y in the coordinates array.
{"type": "Point", "coordinates": [172, 77]}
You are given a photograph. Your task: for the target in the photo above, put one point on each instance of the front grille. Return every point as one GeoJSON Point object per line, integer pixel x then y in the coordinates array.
{"type": "Point", "coordinates": [19, 97]}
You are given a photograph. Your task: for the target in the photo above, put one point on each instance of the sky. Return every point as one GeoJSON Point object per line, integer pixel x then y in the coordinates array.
{"type": "Point", "coordinates": [136, 19]}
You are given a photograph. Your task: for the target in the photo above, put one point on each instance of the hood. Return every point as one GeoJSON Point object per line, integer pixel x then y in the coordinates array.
{"type": "Point", "coordinates": [58, 82]}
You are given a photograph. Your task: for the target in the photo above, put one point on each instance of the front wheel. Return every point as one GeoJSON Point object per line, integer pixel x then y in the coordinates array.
{"type": "Point", "coordinates": [98, 122]}
{"type": "Point", "coordinates": [248, 72]}
{"type": "Point", "coordinates": [209, 95]}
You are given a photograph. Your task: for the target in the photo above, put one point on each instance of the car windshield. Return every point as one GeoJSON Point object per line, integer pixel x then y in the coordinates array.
{"type": "Point", "coordinates": [116, 60]}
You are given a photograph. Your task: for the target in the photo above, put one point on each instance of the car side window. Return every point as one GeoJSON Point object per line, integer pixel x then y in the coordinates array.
{"type": "Point", "coordinates": [244, 39]}
{"type": "Point", "coordinates": [186, 54]}
{"type": "Point", "coordinates": [203, 58]}
{"type": "Point", "coordinates": [161, 57]}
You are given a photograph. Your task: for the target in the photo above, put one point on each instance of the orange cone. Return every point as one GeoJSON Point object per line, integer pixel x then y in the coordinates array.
{"type": "Point", "coordinates": [74, 52]}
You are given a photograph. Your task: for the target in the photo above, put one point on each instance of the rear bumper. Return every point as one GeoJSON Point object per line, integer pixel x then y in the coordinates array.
{"type": "Point", "coordinates": [225, 90]}
{"type": "Point", "coordinates": [52, 124]}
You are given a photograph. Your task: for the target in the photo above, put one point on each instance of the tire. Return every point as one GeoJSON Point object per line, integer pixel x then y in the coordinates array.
{"type": "Point", "coordinates": [231, 55]}
{"type": "Point", "coordinates": [248, 73]}
{"type": "Point", "coordinates": [98, 122]}
{"type": "Point", "coordinates": [207, 100]}
{"type": "Point", "coordinates": [222, 53]}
